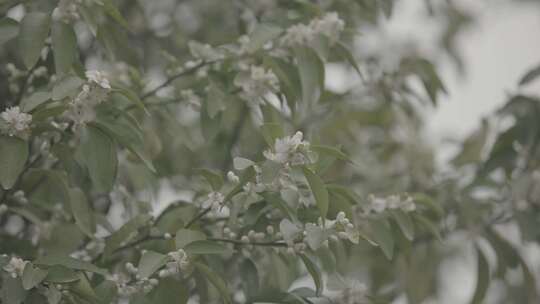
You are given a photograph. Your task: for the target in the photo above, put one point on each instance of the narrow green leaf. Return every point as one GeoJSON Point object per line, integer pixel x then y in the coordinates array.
{"type": "Point", "coordinates": [9, 29]}
{"type": "Point", "coordinates": [61, 274]}
{"type": "Point", "coordinates": [119, 237]}
{"type": "Point", "coordinates": [311, 70]}
{"type": "Point", "coordinates": [32, 276]}
{"type": "Point", "coordinates": [346, 54]}
{"type": "Point", "coordinates": [35, 100]}
{"type": "Point", "coordinates": [150, 262]}
{"type": "Point", "coordinates": [429, 225]}
{"type": "Point", "coordinates": [112, 11]}
{"type": "Point", "coordinates": [404, 222]}
{"type": "Point", "coordinates": [12, 290]}
{"type": "Point", "coordinates": [131, 96]}
{"type": "Point", "coordinates": [318, 189]}
{"type": "Point", "coordinates": [205, 247]}
{"type": "Point", "coordinates": [331, 151]}
{"type": "Point", "coordinates": [97, 152]}
{"type": "Point", "coordinates": [528, 77]}
{"type": "Point", "coordinates": [82, 212]}
{"type": "Point", "coordinates": [214, 179]}
{"type": "Point", "coordinates": [187, 236]}
{"type": "Point", "coordinates": [64, 42]}
{"type": "Point", "coordinates": [382, 235]}
{"type": "Point", "coordinates": [13, 156]}
{"type": "Point", "coordinates": [170, 291]}
{"type": "Point", "coordinates": [67, 86]}
{"type": "Point", "coordinates": [315, 273]}
{"type": "Point", "coordinates": [216, 280]}
{"type": "Point", "coordinates": [69, 262]}
{"type": "Point", "coordinates": [34, 30]}
{"type": "Point", "coordinates": [261, 34]}
{"type": "Point", "coordinates": [482, 278]}
{"type": "Point", "coordinates": [271, 132]}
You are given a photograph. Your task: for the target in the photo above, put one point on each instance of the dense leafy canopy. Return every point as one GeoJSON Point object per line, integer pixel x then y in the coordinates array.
{"type": "Point", "coordinates": [175, 151]}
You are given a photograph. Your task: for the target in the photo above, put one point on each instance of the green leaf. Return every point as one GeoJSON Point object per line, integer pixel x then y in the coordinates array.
{"type": "Point", "coordinates": [106, 291]}
{"type": "Point", "coordinates": [318, 189]}
{"type": "Point", "coordinates": [131, 96]}
{"type": "Point", "coordinates": [429, 225]}
{"type": "Point", "coordinates": [205, 247]}
{"type": "Point", "coordinates": [119, 237]}
{"type": "Point", "coordinates": [69, 262]}
{"type": "Point", "coordinates": [215, 100]}
{"type": "Point", "coordinates": [404, 222]}
{"type": "Point", "coordinates": [32, 276]}
{"type": "Point", "coordinates": [382, 235]}
{"type": "Point", "coordinates": [34, 30]}
{"type": "Point", "coordinates": [64, 42]}
{"type": "Point", "coordinates": [170, 291]}
{"type": "Point", "coordinates": [214, 179]}
{"type": "Point", "coordinates": [311, 70]}
{"type": "Point", "coordinates": [216, 280]}
{"type": "Point", "coordinates": [150, 262]}
{"type": "Point", "coordinates": [346, 54]}
{"type": "Point", "coordinates": [473, 147]}
{"type": "Point", "coordinates": [83, 289]}
{"type": "Point", "coordinates": [528, 77]}
{"type": "Point", "coordinates": [9, 29]}
{"type": "Point", "coordinates": [272, 131]}
{"type": "Point", "coordinates": [482, 278]}
{"type": "Point", "coordinates": [97, 152]}
{"type": "Point", "coordinates": [249, 275]}
{"type": "Point", "coordinates": [61, 274]}
{"type": "Point", "coordinates": [82, 212]}
{"type": "Point", "coordinates": [67, 86]}
{"type": "Point", "coordinates": [12, 290]}
{"type": "Point", "coordinates": [53, 295]}
{"type": "Point", "coordinates": [241, 163]}
{"type": "Point", "coordinates": [315, 273]}
{"type": "Point", "coordinates": [112, 11]}
{"type": "Point", "coordinates": [275, 199]}
{"type": "Point", "coordinates": [331, 151]}
{"type": "Point", "coordinates": [187, 236]}
{"type": "Point", "coordinates": [13, 157]}
{"type": "Point", "coordinates": [34, 100]}
{"type": "Point", "coordinates": [261, 34]}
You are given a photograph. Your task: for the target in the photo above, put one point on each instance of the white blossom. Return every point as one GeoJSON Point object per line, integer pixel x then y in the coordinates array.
{"type": "Point", "coordinates": [214, 200]}
{"type": "Point", "coordinates": [330, 26]}
{"type": "Point", "coordinates": [66, 11]}
{"type": "Point", "coordinates": [256, 83]}
{"type": "Point", "coordinates": [232, 177]}
{"type": "Point", "coordinates": [14, 121]}
{"type": "Point", "coordinates": [288, 149]}
{"type": "Point", "coordinates": [98, 78]}
{"type": "Point", "coordinates": [92, 93]}
{"type": "Point", "coordinates": [289, 230]}
{"type": "Point", "coordinates": [192, 99]}
{"type": "Point", "coordinates": [15, 267]}
{"type": "Point", "coordinates": [179, 261]}
{"type": "Point", "coordinates": [381, 204]}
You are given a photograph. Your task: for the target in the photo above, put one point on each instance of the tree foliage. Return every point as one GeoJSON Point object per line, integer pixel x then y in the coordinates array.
{"type": "Point", "coordinates": [167, 151]}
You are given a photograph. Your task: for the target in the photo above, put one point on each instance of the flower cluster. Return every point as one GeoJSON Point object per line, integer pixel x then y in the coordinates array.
{"type": "Point", "coordinates": [329, 26]}
{"type": "Point", "coordinates": [179, 261]}
{"type": "Point", "coordinates": [14, 122]}
{"type": "Point", "coordinates": [214, 201]}
{"type": "Point", "coordinates": [318, 234]}
{"type": "Point", "coordinates": [256, 83]}
{"type": "Point", "coordinates": [290, 150]}
{"type": "Point", "coordinates": [93, 92]}
{"type": "Point", "coordinates": [15, 267]}
{"type": "Point", "coordinates": [381, 204]}
{"type": "Point", "coordinates": [127, 286]}
{"type": "Point", "coordinates": [191, 98]}
{"type": "Point", "coordinates": [66, 10]}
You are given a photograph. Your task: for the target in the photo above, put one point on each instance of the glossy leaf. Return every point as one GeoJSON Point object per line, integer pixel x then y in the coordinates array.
{"type": "Point", "coordinates": [13, 157]}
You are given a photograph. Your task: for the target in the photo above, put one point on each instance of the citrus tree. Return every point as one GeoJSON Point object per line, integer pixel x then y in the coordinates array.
{"type": "Point", "coordinates": [196, 151]}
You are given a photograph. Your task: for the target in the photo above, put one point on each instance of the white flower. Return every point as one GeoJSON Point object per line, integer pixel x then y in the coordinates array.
{"type": "Point", "coordinates": [285, 149]}
{"type": "Point", "coordinates": [66, 10]}
{"type": "Point", "coordinates": [377, 204]}
{"type": "Point", "coordinates": [192, 99]}
{"type": "Point", "coordinates": [179, 261]}
{"type": "Point", "coordinates": [330, 25]}
{"type": "Point", "coordinates": [15, 122]}
{"type": "Point", "coordinates": [289, 230]}
{"type": "Point", "coordinates": [15, 267]}
{"type": "Point", "coordinates": [233, 178]}
{"type": "Point", "coordinates": [98, 78]}
{"type": "Point", "coordinates": [408, 205]}
{"type": "Point", "coordinates": [256, 83]}
{"type": "Point", "coordinates": [299, 34]}
{"type": "Point", "coordinates": [315, 235]}
{"type": "Point", "coordinates": [214, 200]}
